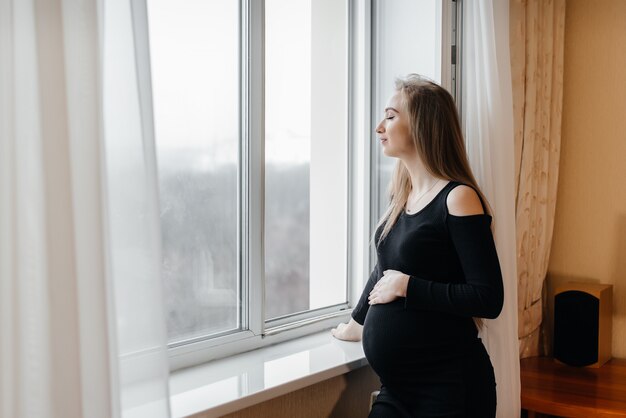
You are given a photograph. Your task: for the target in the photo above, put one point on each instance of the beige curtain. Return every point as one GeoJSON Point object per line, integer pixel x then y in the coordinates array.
{"type": "Point", "coordinates": [536, 41]}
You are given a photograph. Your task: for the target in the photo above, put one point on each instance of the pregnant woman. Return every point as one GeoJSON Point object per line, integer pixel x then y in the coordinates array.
{"type": "Point", "coordinates": [437, 272]}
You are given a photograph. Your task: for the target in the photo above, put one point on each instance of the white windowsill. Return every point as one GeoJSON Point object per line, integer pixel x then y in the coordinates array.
{"type": "Point", "coordinates": [225, 385]}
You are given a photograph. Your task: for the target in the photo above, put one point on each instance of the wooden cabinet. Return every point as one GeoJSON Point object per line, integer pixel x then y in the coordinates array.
{"type": "Point", "coordinates": [549, 387]}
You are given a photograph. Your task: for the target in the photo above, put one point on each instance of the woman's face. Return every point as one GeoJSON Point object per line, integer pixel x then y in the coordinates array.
{"type": "Point", "coordinates": [393, 129]}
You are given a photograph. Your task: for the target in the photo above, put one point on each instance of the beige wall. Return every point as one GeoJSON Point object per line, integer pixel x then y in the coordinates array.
{"type": "Point", "coordinates": [344, 396]}
{"type": "Point", "coordinates": [590, 229]}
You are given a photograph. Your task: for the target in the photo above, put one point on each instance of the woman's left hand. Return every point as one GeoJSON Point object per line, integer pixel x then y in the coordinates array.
{"type": "Point", "coordinates": [391, 286]}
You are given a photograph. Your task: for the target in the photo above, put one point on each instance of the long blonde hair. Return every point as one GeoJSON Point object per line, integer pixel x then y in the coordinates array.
{"type": "Point", "coordinates": [436, 132]}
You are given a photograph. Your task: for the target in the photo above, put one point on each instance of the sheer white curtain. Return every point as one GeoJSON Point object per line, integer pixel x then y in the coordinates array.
{"type": "Point", "coordinates": [488, 125]}
{"type": "Point", "coordinates": [133, 211]}
{"type": "Point", "coordinates": [82, 329]}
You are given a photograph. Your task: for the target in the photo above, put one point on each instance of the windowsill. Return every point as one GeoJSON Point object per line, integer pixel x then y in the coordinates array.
{"type": "Point", "coordinates": [225, 385]}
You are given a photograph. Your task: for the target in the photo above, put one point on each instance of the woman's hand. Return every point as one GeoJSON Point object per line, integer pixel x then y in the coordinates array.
{"type": "Point", "coordinates": [352, 331]}
{"type": "Point", "coordinates": [391, 286]}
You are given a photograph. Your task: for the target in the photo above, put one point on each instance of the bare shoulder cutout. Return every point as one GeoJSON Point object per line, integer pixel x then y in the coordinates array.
{"type": "Point", "coordinates": [463, 201]}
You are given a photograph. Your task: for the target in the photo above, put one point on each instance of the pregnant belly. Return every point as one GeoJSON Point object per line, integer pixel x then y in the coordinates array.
{"type": "Point", "coordinates": [399, 341]}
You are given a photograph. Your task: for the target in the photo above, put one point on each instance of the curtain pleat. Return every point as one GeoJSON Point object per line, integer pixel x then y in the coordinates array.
{"type": "Point", "coordinates": [82, 329]}
{"type": "Point", "coordinates": [537, 43]}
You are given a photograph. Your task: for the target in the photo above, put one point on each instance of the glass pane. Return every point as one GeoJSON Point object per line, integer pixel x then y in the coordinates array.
{"type": "Point", "coordinates": [408, 39]}
{"type": "Point", "coordinates": [194, 46]}
{"type": "Point", "coordinates": [306, 157]}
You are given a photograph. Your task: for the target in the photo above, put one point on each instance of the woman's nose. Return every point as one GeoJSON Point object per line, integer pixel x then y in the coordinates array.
{"type": "Point", "coordinates": [379, 128]}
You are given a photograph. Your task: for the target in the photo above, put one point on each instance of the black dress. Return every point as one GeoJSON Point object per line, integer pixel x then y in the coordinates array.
{"type": "Point", "coordinates": [425, 347]}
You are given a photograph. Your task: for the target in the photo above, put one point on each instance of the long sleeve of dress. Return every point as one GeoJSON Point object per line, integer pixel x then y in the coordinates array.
{"type": "Point", "coordinates": [360, 310]}
{"type": "Point", "coordinates": [482, 294]}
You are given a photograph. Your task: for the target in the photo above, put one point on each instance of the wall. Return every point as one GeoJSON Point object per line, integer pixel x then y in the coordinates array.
{"type": "Point", "coordinates": [344, 396]}
{"type": "Point", "coordinates": [590, 229]}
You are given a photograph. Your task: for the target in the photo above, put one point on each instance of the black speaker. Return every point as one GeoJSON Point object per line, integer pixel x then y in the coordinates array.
{"type": "Point", "coordinates": [582, 323]}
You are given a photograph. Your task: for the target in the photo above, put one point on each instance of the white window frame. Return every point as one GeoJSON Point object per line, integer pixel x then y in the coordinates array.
{"type": "Point", "coordinates": [256, 332]}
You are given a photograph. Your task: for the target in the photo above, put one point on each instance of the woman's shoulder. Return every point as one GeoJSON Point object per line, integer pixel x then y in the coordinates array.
{"type": "Point", "coordinates": [463, 200]}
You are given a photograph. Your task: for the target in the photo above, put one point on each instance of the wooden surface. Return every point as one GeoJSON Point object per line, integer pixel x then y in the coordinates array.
{"type": "Point", "coordinates": [566, 391]}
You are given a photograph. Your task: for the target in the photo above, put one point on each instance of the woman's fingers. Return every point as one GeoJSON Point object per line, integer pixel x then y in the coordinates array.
{"type": "Point", "coordinates": [372, 297]}
{"type": "Point", "coordinates": [382, 296]}
{"type": "Point", "coordinates": [343, 332]}
{"type": "Point", "coordinates": [384, 291]}
{"type": "Point", "coordinates": [373, 294]}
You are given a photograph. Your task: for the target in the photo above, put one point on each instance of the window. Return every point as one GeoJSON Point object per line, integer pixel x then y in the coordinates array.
{"type": "Point", "coordinates": [196, 85]}
{"type": "Point", "coordinates": [305, 155]}
{"type": "Point", "coordinates": [264, 135]}
{"type": "Point", "coordinates": [205, 95]}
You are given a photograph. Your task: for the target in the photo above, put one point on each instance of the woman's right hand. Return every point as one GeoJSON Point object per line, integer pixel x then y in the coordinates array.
{"type": "Point", "coordinates": [352, 331]}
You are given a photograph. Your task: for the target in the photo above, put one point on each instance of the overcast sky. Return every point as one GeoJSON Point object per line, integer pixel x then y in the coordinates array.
{"type": "Point", "coordinates": [194, 57]}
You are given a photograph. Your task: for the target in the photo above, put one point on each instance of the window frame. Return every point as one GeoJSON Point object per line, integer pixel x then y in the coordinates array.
{"type": "Point", "coordinates": [361, 205]}
{"type": "Point", "coordinates": [255, 331]}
